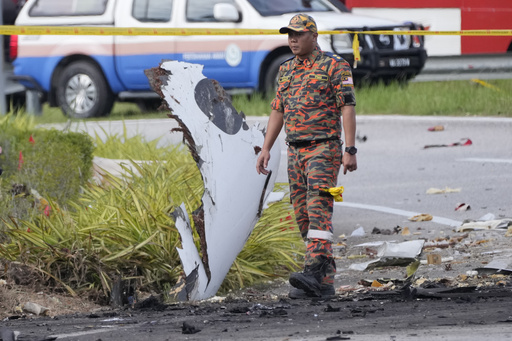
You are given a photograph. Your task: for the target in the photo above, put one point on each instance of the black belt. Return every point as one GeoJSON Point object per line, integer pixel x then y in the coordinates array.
{"type": "Point", "coordinates": [302, 144]}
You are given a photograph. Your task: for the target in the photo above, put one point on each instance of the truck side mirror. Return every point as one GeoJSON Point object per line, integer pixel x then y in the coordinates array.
{"type": "Point", "coordinates": [226, 12]}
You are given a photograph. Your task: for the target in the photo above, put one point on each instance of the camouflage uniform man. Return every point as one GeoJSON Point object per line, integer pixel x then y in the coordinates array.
{"type": "Point", "coordinates": [314, 88]}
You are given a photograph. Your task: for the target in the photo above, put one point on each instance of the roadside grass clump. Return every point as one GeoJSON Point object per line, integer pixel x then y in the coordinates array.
{"type": "Point", "coordinates": [122, 146]}
{"type": "Point", "coordinates": [122, 228]}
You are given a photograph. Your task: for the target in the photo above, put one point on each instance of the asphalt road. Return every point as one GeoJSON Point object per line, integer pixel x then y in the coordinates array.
{"type": "Point", "coordinates": [395, 170]}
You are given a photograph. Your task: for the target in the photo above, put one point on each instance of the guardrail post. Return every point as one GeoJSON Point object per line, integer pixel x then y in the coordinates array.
{"type": "Point", "coordinates": [33, 102]}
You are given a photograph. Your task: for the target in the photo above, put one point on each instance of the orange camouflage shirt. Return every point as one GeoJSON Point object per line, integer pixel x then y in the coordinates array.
{"type": "Point", "coordinates": [311, 93]}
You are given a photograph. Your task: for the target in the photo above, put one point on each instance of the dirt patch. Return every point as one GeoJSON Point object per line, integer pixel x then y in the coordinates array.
{"type": "Point", "coordinates": [13, 298]}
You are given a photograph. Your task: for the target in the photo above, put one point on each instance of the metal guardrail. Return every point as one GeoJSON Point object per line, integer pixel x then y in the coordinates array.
{"type": "Point", "coordinates": [484, 66]}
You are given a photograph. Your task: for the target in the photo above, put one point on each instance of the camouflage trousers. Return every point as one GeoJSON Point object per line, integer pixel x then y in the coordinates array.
{"type": "Point", "coordinates": [311, 169]}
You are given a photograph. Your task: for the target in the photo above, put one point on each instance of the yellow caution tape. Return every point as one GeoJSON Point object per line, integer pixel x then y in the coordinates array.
{"type": "Point", "coordinates": [355, 48]}
{"type": "Point", "coordinates": [131, 31]}
{"type": "Point", "coordinates": [138, 31]}
{"type": "Point", "coordinates": [336, 192]}
{"type": "Point", "coordinates": [487, 85]}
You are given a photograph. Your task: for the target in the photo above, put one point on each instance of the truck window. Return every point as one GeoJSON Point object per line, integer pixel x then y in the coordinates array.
{"type": "Point", "coordinates": [202, 10]}
{"type": "Point", "coordinates": [152, 10]}
{"type": "Point", "coordinates": [278, 7]}
{"type": "Point", "coordinates": [56, 8]}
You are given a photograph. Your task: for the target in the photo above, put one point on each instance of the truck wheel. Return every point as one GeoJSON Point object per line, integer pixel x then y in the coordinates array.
{"type": "Point", "coordinates": [82, 91]}
{"type": "Point", "coordinates": [270, 83]}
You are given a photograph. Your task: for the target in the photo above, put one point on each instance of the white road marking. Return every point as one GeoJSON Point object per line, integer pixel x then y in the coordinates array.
{"type": "Point", "coordinates": [435, 219]}
{"type": "Point", "coordinates": [88, 332]}
{"type": "Point", "coordinates": [475, 159]}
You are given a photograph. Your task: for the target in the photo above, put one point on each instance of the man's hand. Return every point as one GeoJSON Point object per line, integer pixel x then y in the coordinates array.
{"type": "Point", "coordinates": [262, 163]}
{"type": "Point", "coordinates": [349, 163]}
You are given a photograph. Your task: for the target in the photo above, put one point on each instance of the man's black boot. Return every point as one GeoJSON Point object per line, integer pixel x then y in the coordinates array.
{"type": "Point", "coordinates": [311, 278]}
{"type": "Point", "coordinates": [326, 291]}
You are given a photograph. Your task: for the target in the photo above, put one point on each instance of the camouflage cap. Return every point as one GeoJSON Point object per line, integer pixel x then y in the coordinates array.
{"type": "Point", "coordinates": [300, 23]}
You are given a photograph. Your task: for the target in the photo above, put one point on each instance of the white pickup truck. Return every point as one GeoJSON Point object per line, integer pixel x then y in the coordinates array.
{"type": "Point", "coordinates": [84, 75]}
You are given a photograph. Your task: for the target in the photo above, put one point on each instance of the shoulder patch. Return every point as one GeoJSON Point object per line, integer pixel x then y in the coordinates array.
{"type": "Point", "coordinates": [333, 56]}
{"type": "Point", "coordinates": [287, 60]}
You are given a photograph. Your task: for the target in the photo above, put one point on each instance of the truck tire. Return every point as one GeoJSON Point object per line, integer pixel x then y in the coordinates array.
{"type": "Point", "coordinates": [82, 91]}
{"type": "Point", "coordinates": [270, 83]}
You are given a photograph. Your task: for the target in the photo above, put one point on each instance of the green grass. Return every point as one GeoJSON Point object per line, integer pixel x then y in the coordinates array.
{"type": "Point", "coordinates": [452, 98]}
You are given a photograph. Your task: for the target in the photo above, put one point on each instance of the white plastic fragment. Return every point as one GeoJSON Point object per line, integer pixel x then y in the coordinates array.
{"type": "Point", "coordinates": [499, 224]}
{"type": "Point", "coordinates": [359, 232]}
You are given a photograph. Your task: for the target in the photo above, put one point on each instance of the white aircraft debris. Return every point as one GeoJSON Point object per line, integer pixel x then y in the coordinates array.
{"type": "Point", "coordinates": [225, 149]}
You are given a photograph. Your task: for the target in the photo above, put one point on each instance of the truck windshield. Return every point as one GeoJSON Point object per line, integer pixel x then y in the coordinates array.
{"type": "Point", "coordinates": [278, 7]}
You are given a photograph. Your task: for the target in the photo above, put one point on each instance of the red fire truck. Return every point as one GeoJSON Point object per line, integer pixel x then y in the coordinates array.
{"type": "Point", "coordinates": [448, 15]}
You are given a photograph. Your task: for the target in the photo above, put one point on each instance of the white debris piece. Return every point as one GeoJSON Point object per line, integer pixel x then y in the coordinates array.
{"type": "Point", "coordinates": [499, 224]}
{"type": "Point", "coordinates": [393, 254]}
{"type": "Point", "coordinates": [225, 149]}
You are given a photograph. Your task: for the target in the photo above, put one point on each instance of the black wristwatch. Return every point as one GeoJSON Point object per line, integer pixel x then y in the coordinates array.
{"type": "Point", "coordinates": [351, 150]}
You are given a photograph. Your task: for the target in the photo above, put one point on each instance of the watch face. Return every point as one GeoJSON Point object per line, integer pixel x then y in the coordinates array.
{"type": "Point", "coordinates": [351, 150]}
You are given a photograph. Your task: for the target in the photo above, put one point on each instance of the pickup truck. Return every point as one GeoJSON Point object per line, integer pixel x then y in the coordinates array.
{"type": "Point", "coordinates": [84, 75]}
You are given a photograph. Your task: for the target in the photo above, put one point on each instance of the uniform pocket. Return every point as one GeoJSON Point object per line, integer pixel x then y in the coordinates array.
{"type": "Point", "coordinates": [283, 83]}
{"type": "Point", "coordinates": [317, 81]}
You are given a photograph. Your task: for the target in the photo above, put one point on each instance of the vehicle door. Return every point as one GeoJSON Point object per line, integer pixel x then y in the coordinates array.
{"type": "Point", "coordinates": [136, 53]}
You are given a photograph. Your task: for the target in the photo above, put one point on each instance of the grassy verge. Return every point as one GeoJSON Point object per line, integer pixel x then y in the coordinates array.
{"type": "Point", "coordinates": [453, 98]}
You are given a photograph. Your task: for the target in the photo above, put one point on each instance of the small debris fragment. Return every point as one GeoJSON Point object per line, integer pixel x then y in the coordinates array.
{"type": "Point", "coordinates": [36, 309]}
{"type": "Point", "coordinates": [393, 254]}
{"type": "Point", "coordinates": [462, 207]}
{"type": "Point", "coordinates": [422, 217]}
{"type": "Point", "coordinates": [189, 329]}
{"type": "Point", "coordinates": [436, 128]}
{"type": "Point", "coordinates": [359, 232]}
{"type": "Point", "coordinates": [473, 225]}
{"type": "Point", "coordinates": [442, 191]}
{"type": "Point", "coordinates": [434, 258]}
{"type": "Point", "coordinates": [464, 142]}
{"type": "Point", "coordinates": [331, 309]}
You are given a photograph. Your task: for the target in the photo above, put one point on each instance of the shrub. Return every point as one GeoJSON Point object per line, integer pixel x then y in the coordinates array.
{"type": "Point", "coordinates": [53, 163]}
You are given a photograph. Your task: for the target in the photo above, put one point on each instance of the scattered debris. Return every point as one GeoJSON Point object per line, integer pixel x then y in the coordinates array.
{"type": "Point", "coordinates": [396, 230]}
{"type": "Point", "coordinates": [36, 309]}
{"type": "Point", "coordinates": [462, 207]}
{"type": "Point", "coordinates": [472, 225]}
{"type": "Point", "coordinates": [422, 217]}
{"type": "Point", "coordinates": [434, 258]}
{"type": "Point", "coordinates": [359, 232]}
{"type": "Point", "coordinates": [437, 259]}
{"type": "Point", "coordinates": [393, 254]}
{"type": "Point", "coordinates": [361, 138]}
{"type": "Point", "coordinates": [436, 128]}
{"type": "Point", "coordinates": [187, 328]}
{"type": "Point", "coordinates": [442, 191]}
{"type": "Point", "coordinates": [225, 149]}
{"type": "Point", "coordinates": [464, 142]}
{"type": "Point", "coordinates": [499, 266]}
